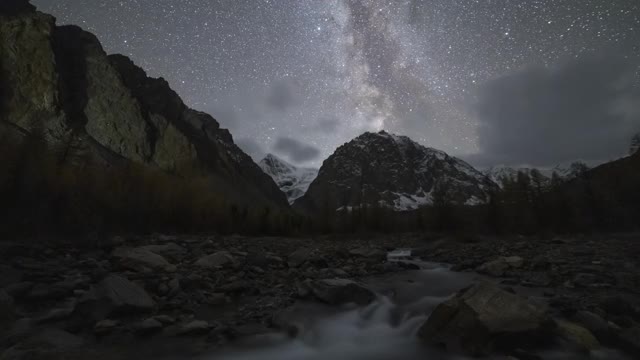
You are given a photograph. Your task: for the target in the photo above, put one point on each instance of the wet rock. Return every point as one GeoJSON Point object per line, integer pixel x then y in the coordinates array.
{"type": "Point", "coordinates": [577, 336]}
{"type": "Point", "coordinates": [140, 258]}
{"type": "Point", "coordinates": [216, 260]}
{"type": "Point", "coordinates": [299, 257]}
{"type": "Point", "coordinates": [483, 318]}
{"type": "Point", "coordinates": [339, 291]}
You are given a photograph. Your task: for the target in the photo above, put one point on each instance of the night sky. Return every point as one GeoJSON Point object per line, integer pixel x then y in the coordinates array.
{"type": "Point", "coordinates": [535, 82]}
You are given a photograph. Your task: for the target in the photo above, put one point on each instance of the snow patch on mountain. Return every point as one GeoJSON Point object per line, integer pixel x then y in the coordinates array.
{"type": "Point", "coordinates": [292, 180]}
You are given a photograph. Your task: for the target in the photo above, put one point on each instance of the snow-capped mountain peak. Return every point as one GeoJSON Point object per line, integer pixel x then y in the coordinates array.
{"type": "Point", "coordinates": [292, 180]}
{"type": "Point", "coordinates": [391, 171]}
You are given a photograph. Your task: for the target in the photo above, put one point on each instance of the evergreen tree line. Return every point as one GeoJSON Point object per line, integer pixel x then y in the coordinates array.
{"type": "Point", "coordinates": [49, 191]}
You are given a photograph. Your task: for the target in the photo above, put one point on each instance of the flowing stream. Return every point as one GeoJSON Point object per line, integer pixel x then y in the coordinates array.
{"type": "Point", "coordinates": [386, 329]}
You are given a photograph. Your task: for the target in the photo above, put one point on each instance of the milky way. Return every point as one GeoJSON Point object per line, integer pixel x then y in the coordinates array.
{"type": "Point", "coordinates": [319, 72]}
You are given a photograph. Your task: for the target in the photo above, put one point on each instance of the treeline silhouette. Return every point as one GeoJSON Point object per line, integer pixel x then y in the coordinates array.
{"type": "Point", "coordinates": [49, 191]}
{"type": "Point", "coordinates": [603, 199]}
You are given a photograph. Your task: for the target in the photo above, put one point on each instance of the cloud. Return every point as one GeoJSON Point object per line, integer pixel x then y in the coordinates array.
{"type": "Point", "coordinates": [284, 94]}
{"type": "Point", "coordinates": [583, 109]}
{"type": "Point", "coordinates": [295, 151]}
{"type": "Point", "coordinates": [251, 147]}
{"type": "Point", "coordinates": [327, 125]}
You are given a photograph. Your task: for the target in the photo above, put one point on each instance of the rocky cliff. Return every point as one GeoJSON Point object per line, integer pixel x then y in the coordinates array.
{"type": "Point", "coordinates": [59, 82]}
{"type": "Point", "coordinates": [392, 171]}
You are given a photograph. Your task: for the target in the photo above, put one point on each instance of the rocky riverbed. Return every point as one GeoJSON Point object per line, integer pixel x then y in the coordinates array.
{"type": "Point", "coordinates": [180, 296]}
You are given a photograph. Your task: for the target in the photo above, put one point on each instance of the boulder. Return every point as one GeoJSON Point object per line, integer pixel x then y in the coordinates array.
{"type": "Point", "coordinates": [501, 265]}
{"type": "Point", "coordinates": [483, 318]}
{"type": "Point", "coordinates": [137, 258]}
{"type": "Point", "coordinates": [577, 336]}
{"type": "Point", "coordinates": [496, 267]}
{"type": "Point", "coordinates": [299, 257]}
{"type": "Point", "coordinates": [605, 331]}
{"type": "Point", "coordinates": [339, 291]}
{"type": "Point", "coordinates": [114, 295]}
{"type": "Point", "coordinates": [216, 260]}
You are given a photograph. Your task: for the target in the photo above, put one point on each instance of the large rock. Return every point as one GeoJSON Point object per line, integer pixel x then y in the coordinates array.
{"type": "Point", "coordinates": [299, 257]}
{"type": "Point", "coordinates": [501, 265]}
{"type": "Point", "coordinates": [114, 295]}
{"type": "Point", "coordinates": [216, 260]}
{"type": "Point", "coordinates": [577, 336]}
{"type": "Point", "coordinates": [141, 257]}
{"type": "Point", "coordinates": [483, 318]}
{"type": "Point", "coordinates": [339, 291]}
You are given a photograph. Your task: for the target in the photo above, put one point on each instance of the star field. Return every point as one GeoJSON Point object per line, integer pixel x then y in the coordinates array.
{"type": "Point", "coordinates": [322, 72]}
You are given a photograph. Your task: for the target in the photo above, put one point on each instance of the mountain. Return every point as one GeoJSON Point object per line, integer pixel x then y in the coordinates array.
{"type": "Point", "coordinates": [635, 145]}
{"type": "Point", "coordinates": [498, 173]}
{"type": "Point", "coordinates": [394, 172]}
{"type": "Point", "coordinates": [292, 180]}
{"type": "Point", "coordinates": [58, 82]}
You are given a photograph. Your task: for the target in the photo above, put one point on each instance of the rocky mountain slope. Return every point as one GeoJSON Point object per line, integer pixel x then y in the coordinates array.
{"type": "Point", "coordinates": [635, 145]}
{"type": "Point", "coordinates": [394, 172]}
{"type": "Point", "coordinates": [57, 81]}
{"type": "Point", "coordinates": [292, 180]}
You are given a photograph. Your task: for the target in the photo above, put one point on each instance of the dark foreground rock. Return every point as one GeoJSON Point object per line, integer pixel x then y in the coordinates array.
{"type": "Point", "coordinates": [484, 318]}
{"type": "Point", "coordinates": [200, 292]}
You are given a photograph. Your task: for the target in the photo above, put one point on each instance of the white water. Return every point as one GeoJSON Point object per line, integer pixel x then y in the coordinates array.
{"type": "Point", "coordinates": [383, 330]}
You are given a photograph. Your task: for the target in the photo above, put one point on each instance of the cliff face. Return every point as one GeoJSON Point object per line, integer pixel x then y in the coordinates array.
{"type": "Point", "coordinates": [59, 82]}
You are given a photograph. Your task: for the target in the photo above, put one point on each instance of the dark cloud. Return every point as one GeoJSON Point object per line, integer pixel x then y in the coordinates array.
{"type": "Point", "coordinates": [284, 94]}
{"type": "Point", "coordinates": [251, 147]}
{"type": "Point", "coordinates": [584, 109]}
{"type": "Point", "coordinates": [327, 125]}
{"type": "Point", "coordinates": [295, 151]}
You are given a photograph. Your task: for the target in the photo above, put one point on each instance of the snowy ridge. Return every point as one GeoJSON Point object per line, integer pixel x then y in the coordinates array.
{"type": "Point", "coordinates": [382, 169]}
{"type": "Point", "coordinates": [292, 180]}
